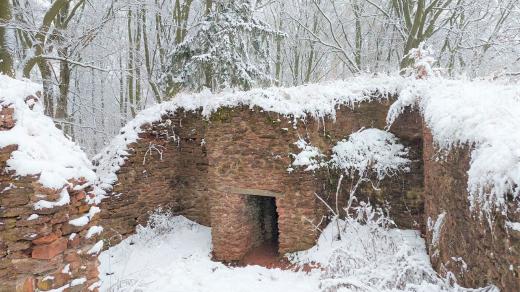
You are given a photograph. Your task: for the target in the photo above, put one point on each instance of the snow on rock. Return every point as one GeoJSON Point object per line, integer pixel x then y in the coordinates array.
{"type": "Point", "coordinates": [66, 269]}
{"type": "Point", "coordinates": [77, 282]}
{"type": "Point", "coordinates": [370, 150]}
{"type": "Point", "coordinates": [81, 221]}
{"type": "Point", "coordinates": [515, 226]}
{"type": "Point", "coordinates": [436, 228]}
{"type": "Point", "coordinates": [93, 230]}
{"type": "Point", "coordinates": [33, 217]}
{"type": "Point", "coordinates": [85, 219]}
{"type": "Point", "coordinates": [42, 148]}
{"type": "Point", "coordinates": [317, 100]}
{"type": "Point", "coordinates": [64, 199]}
{"type": "Point", "coordinates": [96, 248]}
{"type": "Point", "coordinates": [175, 255]}
{"type": "Point", "coordinates": [482, 114]}
{"type": "Point", "coordinates": [309, 157]}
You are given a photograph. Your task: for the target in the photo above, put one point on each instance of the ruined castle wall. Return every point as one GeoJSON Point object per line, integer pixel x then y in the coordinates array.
{"type": "Point", "coordinates": [459, 241]}
{"type": "Point", "coordinates": [166, 168]}
{"type": "Point", "coordinates": [40, 248]}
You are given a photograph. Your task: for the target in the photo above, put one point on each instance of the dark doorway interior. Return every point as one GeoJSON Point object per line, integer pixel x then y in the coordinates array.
{"type": "Point", "coordinates": [268, 220]}
{"type": "Point", "coordinates": [265, 235]}
{"type": "Point", "coordinates": [263, 210]}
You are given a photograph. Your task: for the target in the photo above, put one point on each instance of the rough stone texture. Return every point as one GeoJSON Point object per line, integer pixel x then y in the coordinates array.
{"type": "Point", "coordinates": [33, 253]}
{"type": "Point", "coordinates": [250, 150]}
{"type": "Point", "coordinates": [194, 167]}
{"type": "Point", "coordinates": [400, 195]}
{"type": "Point", "coordinates": [215, 172]}
{"type": "Point", "coordinates": [167, 168]}
{"type": "Point", "coordinates": [491, 256]}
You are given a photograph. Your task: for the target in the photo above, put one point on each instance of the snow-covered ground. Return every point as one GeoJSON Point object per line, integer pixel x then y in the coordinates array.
{"type": "Point", "coordinates": [174, 254]}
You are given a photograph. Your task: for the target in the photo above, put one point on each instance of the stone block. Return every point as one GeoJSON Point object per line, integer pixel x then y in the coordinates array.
{"type": "Point", "coordinates": [49, 251]}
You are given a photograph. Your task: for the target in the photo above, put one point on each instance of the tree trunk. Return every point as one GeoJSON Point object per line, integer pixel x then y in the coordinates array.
{"type": "Point", "coordinates": [62, 116]}
{"type": "Point", "coordinates": [137, 45]}
{"type": "Point", "coordinates": [6, 59]}
{"type": "Point", "coordinates": [147, 61]}
{"type": "Point", "coordinates": [48, 89]}
{"type": "Point", "coordinates": [130, 67]}
{"type": "Point", "coordinates": [359, 36]}
{"type": "Point", "coordinates": [62, 104]}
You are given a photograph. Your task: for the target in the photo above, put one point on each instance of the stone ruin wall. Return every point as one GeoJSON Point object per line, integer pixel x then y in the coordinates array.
{"type": "Point", "coordinates": [489, 256]}
{"type": "Point", "coordinates": [34, 253]}
{"type": "Point", "coordinates": [208, 168]}
{"type": "Point", "coordinates": [191, 166]}
{"type": "Point", "coordinates": [248, 153]}
{"type": "Point", "coordinates": [229, 152]}
{"type": "Point", "coordinates": [166, 168]}
{"type": "Point", "coordinates": [248, 150]}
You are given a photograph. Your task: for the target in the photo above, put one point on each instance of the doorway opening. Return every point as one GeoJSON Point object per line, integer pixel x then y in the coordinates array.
{"type": "Point", "coordinates": [264, 248]}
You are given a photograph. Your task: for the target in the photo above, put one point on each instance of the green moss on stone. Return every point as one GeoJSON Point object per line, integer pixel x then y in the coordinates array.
{"type": "Point", "coordinates": [222, 115]}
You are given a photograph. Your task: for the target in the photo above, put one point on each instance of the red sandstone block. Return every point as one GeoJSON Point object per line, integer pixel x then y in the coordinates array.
{"type": "Point", "coordinates": [74, 242]}
{"type": "Point", "coordinates": [6, 118]}
{"type": "Point", "coordinates": [60, 279]}
{"type": "Point", "coordinates": [72, 256]}
{"type": "Point", "coordinates": [26, 285]}
{"type": "Point", "coordinates": [81, 195]}
{"type": "Point", "coordinates": [83, 209]}
{"type": "Point", "coordinates": [92, 272]}
{"type": "Point", "coordinates": [48, 251]}
{"type": "Point", "coordinates": [46, 239]}
{"type": "Point", "coordinates": [60, 217]}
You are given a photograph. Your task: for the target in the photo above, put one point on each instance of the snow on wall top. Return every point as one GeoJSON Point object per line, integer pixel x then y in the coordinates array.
{"type": "Point", "coordinates": [480, 113]}
{"type": "Point", "coordinates": [42, 148]}
{"type": "Point", "coordinates": [317, 100]}
{"type": "Point", "coordinates": [483, 114]}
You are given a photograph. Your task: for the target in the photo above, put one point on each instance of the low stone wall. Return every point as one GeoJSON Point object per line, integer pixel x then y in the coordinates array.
{"type": "Point", "coordinates": [457, 239]}
{"type": "Point", "coordinates": [40, 248]}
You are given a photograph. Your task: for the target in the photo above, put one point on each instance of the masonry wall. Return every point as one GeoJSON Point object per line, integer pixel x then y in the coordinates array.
{"type": "Point", "coordinates": [209, 170]}
{"type": "Point", "coordinates": [46, 252]}
{"type": "Point", "coordinates": [167, 168]}
{"type": "Point", "coordinates": [249, 150]}
{"type": "Point", "coordinates": [466, 245]}
{"type": "Point", "coordinates": [400, 195]}
{"type": "Point", "coordinates": [206, 169]}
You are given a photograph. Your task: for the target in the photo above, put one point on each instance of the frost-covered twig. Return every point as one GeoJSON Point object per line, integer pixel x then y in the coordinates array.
{"type": "Point", "coordinates": [151, 147]}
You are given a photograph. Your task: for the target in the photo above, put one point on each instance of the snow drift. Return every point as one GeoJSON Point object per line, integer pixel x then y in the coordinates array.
{"type": "Point", "coordinates": [42, 148]}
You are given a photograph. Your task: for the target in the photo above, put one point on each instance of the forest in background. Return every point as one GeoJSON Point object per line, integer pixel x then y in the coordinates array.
{"type": "Point", "coordinates": [102, 61]}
